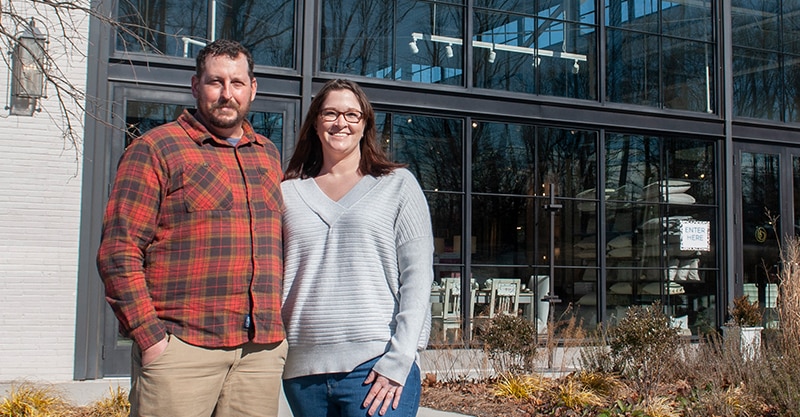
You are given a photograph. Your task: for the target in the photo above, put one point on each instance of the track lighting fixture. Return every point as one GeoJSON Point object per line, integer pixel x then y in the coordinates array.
{"type": "Point", "coordinates": [449, 50]}
{"type": "Point", "coordinates": [492, 56]}
{"type": "Point", "coordinates": [413, 46]}
{"type": "Point", "coordinates": [575, 67]}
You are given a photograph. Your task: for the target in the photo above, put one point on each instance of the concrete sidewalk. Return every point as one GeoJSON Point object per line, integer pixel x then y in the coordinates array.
{"type": "Point", "coordinates": [86, 392]}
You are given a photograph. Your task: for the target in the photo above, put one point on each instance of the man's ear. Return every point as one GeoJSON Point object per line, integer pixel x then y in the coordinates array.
{"type": "Point", "coordinates": [195, 81]}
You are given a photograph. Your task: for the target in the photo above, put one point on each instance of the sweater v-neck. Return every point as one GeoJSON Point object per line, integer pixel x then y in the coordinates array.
{"type": "Point", "coordinates": [328, 209]}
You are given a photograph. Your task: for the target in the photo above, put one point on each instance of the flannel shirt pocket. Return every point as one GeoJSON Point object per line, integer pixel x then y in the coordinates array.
{"type": "Point", "coordinates": [270, 182]}
{"type": "Point", "coordinates": [206, 187]}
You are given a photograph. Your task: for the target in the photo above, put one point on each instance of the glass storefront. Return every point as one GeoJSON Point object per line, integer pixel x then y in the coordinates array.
{"type": "Point", "coordinates": [576, 148]}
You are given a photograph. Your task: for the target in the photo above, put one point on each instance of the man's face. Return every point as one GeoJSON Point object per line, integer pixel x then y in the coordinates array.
{"type": "Point", "coordinates": [224, 93]}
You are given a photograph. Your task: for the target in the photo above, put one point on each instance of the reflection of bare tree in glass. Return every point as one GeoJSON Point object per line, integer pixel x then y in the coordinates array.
{"type": "Point", "coordinates": [512, 72]}
{"type": "Point", "coordinates": [432, 149]}
{"type": "Point", "coordinates": [142, 116]}
{"type": "Point", "coordinates": [161, 23]}
{"type": "Point", "coordinates": [356, 36]}
{"type": "Point", "coordinates": [757, 84]}
{"type": "Point", "coordinates": [431, 146]}
{"type": "Point", "coordinates": [269, 125]}
{"type": "Point", "coordinates": [265, 27]}
{"type": "Point", "coordinates": [503, 158]}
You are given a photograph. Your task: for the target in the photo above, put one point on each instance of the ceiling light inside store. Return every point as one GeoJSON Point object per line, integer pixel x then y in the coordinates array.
{"type": "Point", "coordinates": [492, 56]}
{"type": "Point", "coordinates": [576, 68]}
{"type": "Point", "coordinates": [449, 50]}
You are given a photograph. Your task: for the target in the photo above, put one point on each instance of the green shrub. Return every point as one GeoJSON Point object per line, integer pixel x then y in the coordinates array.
{"type": "Point", "coordinates": [643, 347]}
{"type": "Point", "coordinates": [510, 342]}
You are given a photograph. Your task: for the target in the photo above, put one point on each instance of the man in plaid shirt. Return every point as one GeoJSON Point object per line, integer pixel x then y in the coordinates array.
{"type": "Point", "coordinates": [191, 253]}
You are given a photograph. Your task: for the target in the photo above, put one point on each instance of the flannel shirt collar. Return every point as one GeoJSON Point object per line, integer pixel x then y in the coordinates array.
{"type": "Point", "coordinates": [198, 132]}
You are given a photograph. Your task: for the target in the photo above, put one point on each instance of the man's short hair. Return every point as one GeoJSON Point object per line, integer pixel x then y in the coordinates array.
{"type": "Point", "coordinates": [226, 47]}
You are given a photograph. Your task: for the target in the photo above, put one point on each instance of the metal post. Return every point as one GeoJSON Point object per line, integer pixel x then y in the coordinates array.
{"type": "Point", "coordinates": [551, 297]}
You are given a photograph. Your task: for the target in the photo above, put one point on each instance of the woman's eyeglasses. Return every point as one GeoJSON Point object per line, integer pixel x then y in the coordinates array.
{"type": "Point", "coordinates": [350, 116]}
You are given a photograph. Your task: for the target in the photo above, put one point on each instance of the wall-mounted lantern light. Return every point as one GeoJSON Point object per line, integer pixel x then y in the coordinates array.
{"type": "Point", "coordinates": [28, 65]}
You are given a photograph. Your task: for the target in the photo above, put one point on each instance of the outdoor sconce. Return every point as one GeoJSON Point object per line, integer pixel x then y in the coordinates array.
{"type": "Point", "coordinates": [28, 64]}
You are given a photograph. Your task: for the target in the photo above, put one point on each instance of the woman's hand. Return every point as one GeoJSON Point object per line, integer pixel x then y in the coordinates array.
{"type": "Point", "coordinates": [384, 391]}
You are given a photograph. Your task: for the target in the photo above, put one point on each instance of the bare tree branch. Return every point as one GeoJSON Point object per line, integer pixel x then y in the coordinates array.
{"type": "Point", "coordinates": [66, 25]}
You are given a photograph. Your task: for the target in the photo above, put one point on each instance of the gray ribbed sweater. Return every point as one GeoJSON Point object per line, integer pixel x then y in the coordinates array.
{"type": "Point", "coordinates": [357, 276]}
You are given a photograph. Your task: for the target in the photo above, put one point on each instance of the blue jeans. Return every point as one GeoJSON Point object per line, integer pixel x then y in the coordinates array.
{"type": "Point", "coordinates": [342, 394]}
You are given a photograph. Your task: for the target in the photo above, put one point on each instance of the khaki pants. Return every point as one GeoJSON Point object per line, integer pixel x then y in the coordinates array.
{"type": "Point", "coordinates": [191, 381]}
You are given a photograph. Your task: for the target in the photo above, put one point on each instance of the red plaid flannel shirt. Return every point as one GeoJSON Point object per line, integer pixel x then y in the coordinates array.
{"type": "Point", "coordinates": [191, 241]}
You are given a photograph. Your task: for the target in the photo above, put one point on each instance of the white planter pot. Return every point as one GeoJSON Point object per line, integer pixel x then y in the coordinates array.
{"type": "Point", "coordinates": [749, 339]}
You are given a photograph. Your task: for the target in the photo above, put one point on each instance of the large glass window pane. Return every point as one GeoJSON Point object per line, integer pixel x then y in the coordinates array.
{"type": "Point", "coordinates": [662, 205]}
{"type": "Point", "coordinates": [266, 27]}
{"type": "Point", "coordinates": [504, 52]}
{"type": "Point", "coordinates": [503, 159]}
{"type": "Point", "coordinates": [791, 27]}
{"type": "Point", "coordinates": [158, 26]}
{"type": "Point", "coordinates": [755, 24]}
{"type": "Point", "coordinates": [431, 146]}
{"type": "Point", "coordinates": [356, 37]}
{"type": "Point", "coordinates": [688, 75]}
{"type": "Point", "coordinates": [791, 71]}
{"type": "Point", "coordinates": [633, 68]}
{"type": "Point", "coordinates": [418, 41]}
{"type": "Point", "coordinates": [430, 38]}
{"type": "Point", "coordinates": [757, 84]}
{"type": "Point", "coordinates": [432, 149]}
{"type": "Point", "coordinates": [690, 19]}
{"type": "Point", "coordinates": [514, 167]}
{"type": "Point", "coordinates": [534, 55]}
{"type": "Point", "coordinates": [654, 57]}
{"type": "Point", "coordinates": [567, 74]}
{"type": "Point", "coordinates": [761, 177]}
{"type": "Point", "coordinates": [181, 27]}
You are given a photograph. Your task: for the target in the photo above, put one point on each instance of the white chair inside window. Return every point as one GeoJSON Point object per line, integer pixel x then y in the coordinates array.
{"type": "Point", "coordinates": [451, 308]}
{"type": "Point", "coordinates": [504, 297]}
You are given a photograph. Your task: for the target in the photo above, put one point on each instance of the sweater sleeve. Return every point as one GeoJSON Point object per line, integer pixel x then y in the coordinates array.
{"type": "Point", "coordinates": [415, 265]}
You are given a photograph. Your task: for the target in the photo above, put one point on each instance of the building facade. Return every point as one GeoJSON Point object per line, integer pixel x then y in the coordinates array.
{"type": "Point", "coordinates": [598, 154]}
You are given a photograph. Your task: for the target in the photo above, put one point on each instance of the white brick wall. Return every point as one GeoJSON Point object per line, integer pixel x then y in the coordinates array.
{"type": "Point", "coordinates": [40, 193]}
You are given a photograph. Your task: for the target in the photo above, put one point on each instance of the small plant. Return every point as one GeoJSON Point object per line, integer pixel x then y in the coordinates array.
{"type": "Point", "coordinates": [519, 386]}
{"type": "Point", "coordinates": [511, 343]}
{"type": "Point", "coordinates": [116, 404]}
{"type": "Point", "coordinates": [744, 313]}
{"type": "Point", "coordinates": [29, 400]}
{"type": "Point", "coordinates": [574, 395]}
{"type": "Point", "coordinates": [603, 383]}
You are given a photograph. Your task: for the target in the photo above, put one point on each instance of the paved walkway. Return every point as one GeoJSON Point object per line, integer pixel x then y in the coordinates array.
{"type": "Point", "coordinates": [86, 392]}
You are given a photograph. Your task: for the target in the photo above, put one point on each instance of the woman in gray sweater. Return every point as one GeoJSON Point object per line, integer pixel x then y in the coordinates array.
{"type": "Point", "coordinates": [358, 261]}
